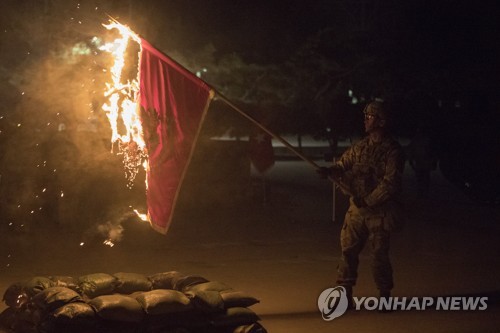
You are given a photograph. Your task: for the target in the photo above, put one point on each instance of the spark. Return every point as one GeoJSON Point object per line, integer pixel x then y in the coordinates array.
{"type": "Point", "coordinates": [108, 243]}
{"type": "Point", "coordinates": [82, 244]}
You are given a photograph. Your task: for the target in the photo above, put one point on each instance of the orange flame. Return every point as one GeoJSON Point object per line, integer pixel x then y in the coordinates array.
{"type": "Point", "coordinates": [122, 106]}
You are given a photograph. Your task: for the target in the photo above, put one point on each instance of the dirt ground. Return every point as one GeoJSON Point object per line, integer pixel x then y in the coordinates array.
{"type": "Point", "coordinates": [284, 251]}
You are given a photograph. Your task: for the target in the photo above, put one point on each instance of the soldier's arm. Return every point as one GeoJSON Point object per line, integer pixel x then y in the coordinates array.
{"type": "Point", "coordinates": [343, 164]}
{"type": "Point", "coordinates": [391, 182]}
{"type": "Point", "coordinates": [346, 161]}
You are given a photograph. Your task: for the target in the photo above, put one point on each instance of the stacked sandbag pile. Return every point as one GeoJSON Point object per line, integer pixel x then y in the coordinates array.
{"type": "Point", "coordinates": [127, 302]}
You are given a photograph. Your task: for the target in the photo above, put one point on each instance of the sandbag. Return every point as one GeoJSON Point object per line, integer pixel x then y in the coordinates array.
{"type": "Point", "coordinates": [17, 320]}
{"type": "Point", "coordinates": [210, 286]}
{"type": "Point", "coordinates": [24, 326]}
{"type": "Point", "coordinates": [52, 298]}
{"type": "Point", "coordinates": [118, 308]}
{"type": "Point", "coordinates": [187, 281]}
{"type": "Point", "coordinates": [128, 283]}
{"type": "Point", "coordinates": [235, 317]}
{"type": "Point", "coordinates": [164, 301]}
{"type": "Point", "coordinates": [65, 281]}
{"type": "Point", "coordinates": [206, 301]}
{"type": "Point", "coordinates": [15, 296]}
{"type": "Point", "coordinates": [252, 328]}
{"type": "Point", "coordinates": [98, 284]}
{"type": "Point", "coordinates": [37, 284]}
{"type": "Point", "coordinates": [165, 280]}
{"type": "Point", "coordinates": [233, 299]}
{"type": "Point", "coordinates": [191, 321]}
{"type": "Point", "coordinates": [72, 317]}
{"type": "Point", "coordinates": [7, 318]}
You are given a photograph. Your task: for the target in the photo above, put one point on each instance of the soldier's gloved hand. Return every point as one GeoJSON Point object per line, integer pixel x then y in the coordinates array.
{"type": "Point", "coordinates": [359, 202]}
{"type": "Point", "coordinates": [324, 172]}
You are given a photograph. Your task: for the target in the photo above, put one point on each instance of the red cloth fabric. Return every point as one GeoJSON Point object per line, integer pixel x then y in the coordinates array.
{"type": "Point", "coordinates": [261, 151]}
{"type": "Point", "coordinates": [173, 106]}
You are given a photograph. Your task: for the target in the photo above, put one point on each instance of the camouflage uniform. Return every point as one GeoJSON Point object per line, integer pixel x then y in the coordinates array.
{"type": "Point", "coordinates": [371, 171]}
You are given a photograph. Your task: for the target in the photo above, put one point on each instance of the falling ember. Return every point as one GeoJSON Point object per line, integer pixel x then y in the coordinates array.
{"type": "Point", "coordinates": [122, 107]}
{"type": "Point", "coordinates": [108, 243]}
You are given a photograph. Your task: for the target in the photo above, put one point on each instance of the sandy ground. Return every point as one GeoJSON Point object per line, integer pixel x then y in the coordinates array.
{"type": "Point", "coordinates": [285, 251]}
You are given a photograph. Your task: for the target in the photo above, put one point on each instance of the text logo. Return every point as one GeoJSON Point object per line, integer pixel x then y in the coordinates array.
{"type": "Point", "coordinates": [332, 303]}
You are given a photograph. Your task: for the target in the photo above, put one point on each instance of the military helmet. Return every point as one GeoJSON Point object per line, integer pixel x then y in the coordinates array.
{"type": "Point", "coordinates": [376, 108]}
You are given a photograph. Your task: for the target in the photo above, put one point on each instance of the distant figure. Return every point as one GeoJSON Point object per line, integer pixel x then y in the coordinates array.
{"type": "Point", "coordinates": [423, 160]}
{"type": "Point", "coordinates": [370, 172]}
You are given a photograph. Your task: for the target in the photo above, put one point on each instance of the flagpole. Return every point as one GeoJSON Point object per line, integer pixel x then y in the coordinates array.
{"type": "Point", "coordinates": [344, 188]}
{"type": "Point", "coordinates": [265, 129]}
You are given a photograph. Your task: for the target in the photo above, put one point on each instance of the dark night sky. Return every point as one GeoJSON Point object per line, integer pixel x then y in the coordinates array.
{"type": "Point", "coordinates": [451, 28]}
{"type": "Point", "coordinates": [457, 39]}
{"type": "Point", "coordinates": [256, 29]}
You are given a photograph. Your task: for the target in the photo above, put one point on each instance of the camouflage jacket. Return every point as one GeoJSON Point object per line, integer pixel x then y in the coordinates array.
{"type": "Point", "coordinates": [372, 171]}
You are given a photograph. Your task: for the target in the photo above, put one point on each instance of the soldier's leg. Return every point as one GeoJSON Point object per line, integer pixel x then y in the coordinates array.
{"type": "Point", "coordinates": [352, 240]}
{"type": "Point", "coordinates": [381, 263]}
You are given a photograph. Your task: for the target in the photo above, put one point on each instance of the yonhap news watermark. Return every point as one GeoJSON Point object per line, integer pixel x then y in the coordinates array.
{"type": "Point", "coordinates": [334, 302]}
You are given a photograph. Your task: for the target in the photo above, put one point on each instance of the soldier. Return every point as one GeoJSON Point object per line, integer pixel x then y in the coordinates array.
{"type": "Point", "coordinates": [369, 172]}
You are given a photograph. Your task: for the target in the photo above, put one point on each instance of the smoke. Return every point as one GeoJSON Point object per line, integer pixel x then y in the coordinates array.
{"type": "Point", "coordinates": [54, 137]}
{"type": "Point", "coordinates": [110, 232]}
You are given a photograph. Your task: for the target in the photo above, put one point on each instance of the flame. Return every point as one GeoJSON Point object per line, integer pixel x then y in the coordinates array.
{"type": "Point", "coordinates": [143, 217]}
{"type": "Point", "coordinates": [122, 106]}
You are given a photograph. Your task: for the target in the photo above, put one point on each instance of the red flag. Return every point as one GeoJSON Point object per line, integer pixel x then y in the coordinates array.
{"type": "Point", "coordinates": [173, 105]}
{"type": "Point", "coordinates": [261, 151]}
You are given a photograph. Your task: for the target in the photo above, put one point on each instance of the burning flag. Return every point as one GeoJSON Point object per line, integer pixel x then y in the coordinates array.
{"type": "Point", "coordinates": [173, 104]}
{"type": "Point", "coordinates": [162, 112]}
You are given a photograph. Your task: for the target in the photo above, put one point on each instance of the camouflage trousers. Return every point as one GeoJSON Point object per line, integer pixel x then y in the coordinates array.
{"type": "Point", "coordinates": [361, 226]}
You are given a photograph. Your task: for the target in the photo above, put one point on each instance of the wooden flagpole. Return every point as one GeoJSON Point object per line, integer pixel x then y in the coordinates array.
{"type": "Point", "coordinates": [280, 139]}
{"type": "Point", "coordinates": [265, 129]}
